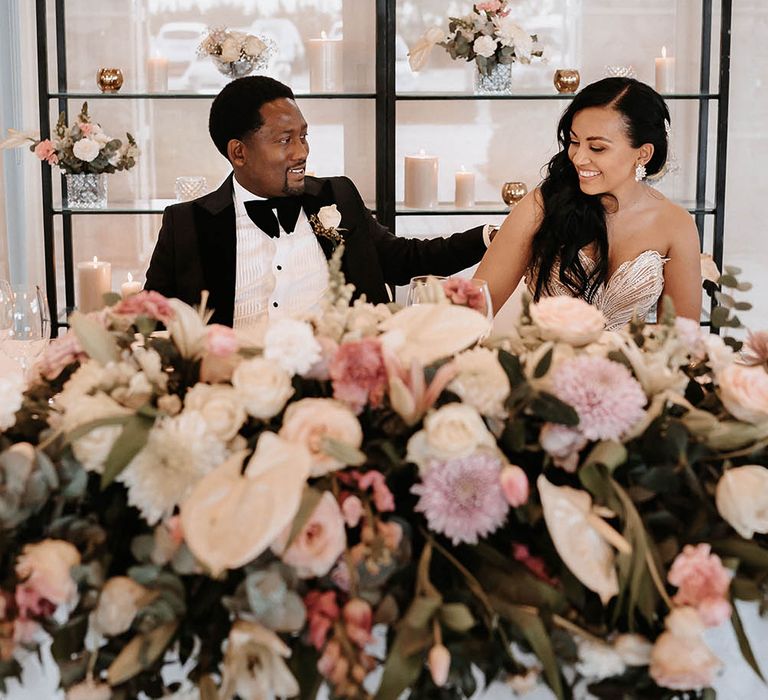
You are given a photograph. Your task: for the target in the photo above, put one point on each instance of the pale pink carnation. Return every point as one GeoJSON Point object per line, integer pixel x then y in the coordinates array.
{"type": "Point", "coordinates": [464, 293]}
{"type": "Point", "coordinates": [358, 373]}
{"type": "Point", "coordinates": [46, 151]}
{"type": "Point", "coordinates": [462, 498]}
{"type": "Point", "coordinates": [702, 583]}
{"type": "Point", "coordinates": [221, 341]}
{"type": "Point", "coordinates": [146, 303]}
{"type": "Point", "coordinates": [59, 354]}
{"type": "Point", "coordinates": [607, 398]}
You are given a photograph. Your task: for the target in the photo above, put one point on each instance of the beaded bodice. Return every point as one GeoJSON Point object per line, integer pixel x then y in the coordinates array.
{"type": "Point", "coordinates": [635, 287]}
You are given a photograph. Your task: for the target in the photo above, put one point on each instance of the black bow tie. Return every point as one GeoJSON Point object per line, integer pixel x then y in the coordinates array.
{"type": "Point", "coordinates": [261, 212]}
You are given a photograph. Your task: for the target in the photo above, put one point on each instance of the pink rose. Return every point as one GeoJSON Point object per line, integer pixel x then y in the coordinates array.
{"type": "Point", "coordinates": [45, 569]}
{"type": "Point", "coordinates": [59, 354]}
{"type": "Point", "coordinates": [358, 373]}
{"type": "Point", "coordinates": [151, 304]}
{"type": "Point", "coordinates": [358, 619]}
{"type": "Point", "coordinates": [221, 341]}
{"type": "Point", "coordinates": [464, 293]}
{"type": "Point", "coordinates": [45, 150]}
{"type": "Point", "coordinates": [490, 6]}
{"type": "Point", "coordinates": [702, 583]}
{"type": "Point", "coordinates": [320, 542]}
{"type": "Point", "coordinates": [514, 484]}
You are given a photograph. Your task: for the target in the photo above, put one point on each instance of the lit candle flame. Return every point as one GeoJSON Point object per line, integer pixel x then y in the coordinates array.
{"type": "Point", "coordinates": [95, 261]}
{"type": "Point", "coordinates": [422, 152]}
{"type": "Point", "coordinates": [129, 278]}
{"type": "Point", "coordinates": [663, 51]}
{"type": "Point", "coordinates": [323, 35]}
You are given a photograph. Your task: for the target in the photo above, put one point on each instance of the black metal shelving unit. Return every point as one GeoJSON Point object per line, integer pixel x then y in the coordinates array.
{"type": "Point", "coordinates": [386, 98]}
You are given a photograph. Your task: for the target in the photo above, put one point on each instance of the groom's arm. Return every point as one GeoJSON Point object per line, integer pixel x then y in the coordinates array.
{"type": "Point", "coordinates": [161, 274]}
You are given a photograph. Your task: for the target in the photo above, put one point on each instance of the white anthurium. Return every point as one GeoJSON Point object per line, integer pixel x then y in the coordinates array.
{"type": "Point", "coordinates": [188, 327]}
{"type": "Point", "coordinates": [582, 538]}
{"type": "Point", "coordinates": [230, 518]}
{"type": "Point", "coordinates": [425, 333]}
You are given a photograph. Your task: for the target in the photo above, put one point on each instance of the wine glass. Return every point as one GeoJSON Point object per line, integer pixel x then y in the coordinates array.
{"type": "Point", "coordinates": [422, 289]}
{"type": "Point", "coordinates": [483, 303]}
{"type": "Point", "coordinates": [27, 324]}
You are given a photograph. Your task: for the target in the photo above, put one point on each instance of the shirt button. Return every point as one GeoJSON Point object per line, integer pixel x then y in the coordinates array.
{"type": "Point", "coordinates": [274, 303]}
{"type": "Point", "coordinates": [279, 267]}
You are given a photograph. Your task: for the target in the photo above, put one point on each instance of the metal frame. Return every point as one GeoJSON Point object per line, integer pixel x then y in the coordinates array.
{"type": "Point", "coordinates": [386, 98]}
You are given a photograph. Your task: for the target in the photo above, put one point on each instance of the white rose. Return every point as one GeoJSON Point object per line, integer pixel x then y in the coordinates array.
{"type": "Point", "coordinates": [598, 660]}
{"type": "Point", "coordinates": [329, 216]}
{"type": "Point", "coordinates": [86, 150]}
{"type": "Point", "coordinates": [451, 432]}
{"type": "Point", "coordinates": [634, 649]}
{"type": "Point", "coordinates": [568, 320]}
{"type": "Point", "coordinates": [220, 406]}
{"type": "Point", "coordinates": [253, 46]}
{"type": "Point", "coordinates": [118, 605]}
{"type": "Point", "coordinates": [481, 382]}
{"type": "Point", "coordinates": [292, 345]}
{"type": "Point", "coordinates": [263, 385]}
{"type": "Point", "coordinates": [309, 421]}
{"type": "Point", "coordinates": [742, 499]}
{"type": "Point", "coordinates": [744, 392]}
{"type": "Point", "coordinates": [512, 34]}
{"type": "Point", "coordinates": [230, 49]}
{"type": "Point", "coordinates": [11, 395]}
{"type": "Point", "coordinates": [485, 46]}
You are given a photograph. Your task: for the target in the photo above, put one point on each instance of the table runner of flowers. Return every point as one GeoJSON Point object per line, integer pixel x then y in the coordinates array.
{"type": "Point", "coordinates": [564, 505]}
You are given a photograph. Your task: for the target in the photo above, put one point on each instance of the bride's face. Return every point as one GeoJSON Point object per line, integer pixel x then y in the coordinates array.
{"type": "Point", "coordinates": [601, 151]}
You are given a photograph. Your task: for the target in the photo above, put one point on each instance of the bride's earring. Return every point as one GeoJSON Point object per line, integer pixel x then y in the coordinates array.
{"type": "Point", "coordinates": [639, 172]}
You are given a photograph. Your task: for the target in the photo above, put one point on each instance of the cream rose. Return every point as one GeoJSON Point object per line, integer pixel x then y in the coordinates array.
{"type": "Point", "coordinates": [451, 432]}
{"type": "Point", "coordinates": [481, 382]}
{"type": "Point", "coordinates": [744, 392]}
{"type": "Point", "coordinates": [742, 499]}
{"type": "Point", "coordinates": [568, 320]}
{"type": "Point", "coordinates": [46, 566]}
{"type": "Point", "coordinates": [319, 544]}
{"type": "Point", "coordinates": [329, 216]}
{"type": "Point", "coordinates": [230, 49]}
{"type": "Point", "coordinates": [309, 421]}
{"type": "Point", "coordinates": [253, 46]}
{"type": "Point", "coordinates": [85, 150]}
{"type": "Point", "coordinates": [485, 46]}
{"type": "Point", "coordinates": [292, 344]}
{"type": "Point", "coordinates": [118, 605]}
{"type": "Point", "coordinates": [221, 407]}
{"type": "Point", "coordinates": [264, 386]}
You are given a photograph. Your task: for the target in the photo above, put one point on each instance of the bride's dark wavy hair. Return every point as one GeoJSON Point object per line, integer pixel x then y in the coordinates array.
{"type": "Point", "coordinates": [573, 219]}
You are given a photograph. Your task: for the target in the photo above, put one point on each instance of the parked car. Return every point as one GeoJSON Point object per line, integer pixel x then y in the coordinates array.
{"type": "Point", "coordinates": [178, 42]}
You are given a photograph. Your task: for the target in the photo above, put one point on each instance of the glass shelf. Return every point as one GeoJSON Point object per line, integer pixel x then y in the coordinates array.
{"type": "Point", "coordinates": [197, 95]}
{"type": "Point", "coordinates": [417, 96]}
{"type": "Point", "coordinates": [494, 208]}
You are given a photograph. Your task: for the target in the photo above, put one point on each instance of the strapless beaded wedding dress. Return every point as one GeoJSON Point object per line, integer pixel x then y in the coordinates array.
{"type": "Point", "coordinates": [634, 288]}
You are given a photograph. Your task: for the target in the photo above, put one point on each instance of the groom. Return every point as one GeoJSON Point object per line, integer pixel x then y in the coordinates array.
{"type": "Point", "coordinates": [259, 244]}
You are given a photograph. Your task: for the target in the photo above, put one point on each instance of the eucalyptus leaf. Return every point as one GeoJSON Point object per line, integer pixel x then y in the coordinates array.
{"type": "Point", "coordinates": [97, 342]}
{"type": "Point", "coordinates": [744, 645]}
{"type": "Point", "coordinates": [343, 452]}
{"type": "Point", "coordinates": [553, 410]}
{"type": "Point", "coordinates": [457, 616]}
{"type": "Point", "coordinates": [544, 364]}
{"type": "Point", "coordinates": [309, 499]}
{"type": "Point", "coordinates": [128, 444]}
{"type": "Point", "coordinates": [405, 661]}
{"type": "Point", "coordinates": [85, 428]}
{"type": "Point", "coordinates": [511, 365]}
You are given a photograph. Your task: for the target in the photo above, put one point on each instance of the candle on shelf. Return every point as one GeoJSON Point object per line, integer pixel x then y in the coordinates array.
{"type": "Point", "coordinates": [421, 181]}
{"type": "Point", "coordinates": [325, 64]}
{"type": "Point", "coordinates": [129, 287]}
{"type": "Point", "coordinates": [465, 189]}
{"type": "Point", "coordinates": [665, 72]}
{"type": "Point", "coordinates": [94, 280]}
{"type": "Point", "coordinates": [157, 73]}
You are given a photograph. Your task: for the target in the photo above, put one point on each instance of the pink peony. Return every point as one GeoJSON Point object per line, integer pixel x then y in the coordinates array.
{"type": "Point", "coordinates": [358, 619]}
{"type": "Point", "coordinates": [322, 612]}
{"type": "Point", "coordinates": [702, 583]}
{"type": "Point", "coordinates": [59, 354]}
{"type": "Point", "coordinates": [46, 151]}
{"type": "Point", "coordinates": [151, 304]}
{"type": "Point", "coordinates": [462, 498]}
{"type": "Point", "coordinates": [358, 373]}
{"type": "Point", "coordinates": [608, 399]}
{"type": "Point", "coordinates": [465, 293]}
{"type": "Point", "coordinates": [514, 484]}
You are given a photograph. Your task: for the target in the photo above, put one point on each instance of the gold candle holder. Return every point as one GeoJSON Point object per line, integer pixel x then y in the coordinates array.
{"type": "Point", "coordinates": [109, 79]}
{"type": "Point", "coordinates": [566, 80]}
{"type": "Point", "coordinates": [513, 192]}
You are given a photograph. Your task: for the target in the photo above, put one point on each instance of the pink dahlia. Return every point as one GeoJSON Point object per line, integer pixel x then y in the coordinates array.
{"type": "Point", "coordinates": [464, 293]}
{"type": "Point", "coordinates": [608, 399]}
{"type": "Point", "coordinates": [702, 583]}
{"type": "Point", "coordinates": [358, 373]}
{"type": "Point", "coordinates": [463, 498]}
{"type": "Point", "coordinates": [150, 304]}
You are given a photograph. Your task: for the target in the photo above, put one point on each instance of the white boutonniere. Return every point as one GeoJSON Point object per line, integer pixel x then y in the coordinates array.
{"type": "Point", "coordinates": [326, 224]}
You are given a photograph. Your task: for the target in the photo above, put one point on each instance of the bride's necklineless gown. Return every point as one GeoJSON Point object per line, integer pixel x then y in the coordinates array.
{"type": "Point", "coordinates": [634, 287]}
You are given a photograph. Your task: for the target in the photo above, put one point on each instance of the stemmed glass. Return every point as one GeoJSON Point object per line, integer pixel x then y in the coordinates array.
{"type": "Point", "coordinates": [421, 289]}
{"type": "Point", "coordinates": [25, 323]}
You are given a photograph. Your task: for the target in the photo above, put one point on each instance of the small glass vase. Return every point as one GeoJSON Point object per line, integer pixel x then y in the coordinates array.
{"type": "Point", "coordinates": [497, 82]}
{"type": "Point", "coordinates": [87, 191]}
{"type": "Point", "coordinates": [234, 69]}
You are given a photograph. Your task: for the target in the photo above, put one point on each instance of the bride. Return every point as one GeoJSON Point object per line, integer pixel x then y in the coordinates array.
{"type": "Point", "coordinates": [594, 229]}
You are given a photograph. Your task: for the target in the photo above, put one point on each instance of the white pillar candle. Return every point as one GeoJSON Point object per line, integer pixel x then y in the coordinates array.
{"type": "Point", "coordinates": [665, 72]}
{"type": "Point", "coordinates": [465, 189]}
{"type": "Point", "coordinates": [129, 287]}
{"type": "Point", "coordinates": [325, 64]}
{"type": "Point", "coordinates": [94, 280]}
{"type": "Point", "coordinates": [157, 74]}
{"type": "Point", "coordinates": [421, 181]}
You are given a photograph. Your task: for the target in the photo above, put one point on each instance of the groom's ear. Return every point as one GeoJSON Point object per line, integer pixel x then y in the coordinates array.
{"type": "Point", "coordinates": [235, 152]}
{"type": "Point", "coordinates": [646, 153]}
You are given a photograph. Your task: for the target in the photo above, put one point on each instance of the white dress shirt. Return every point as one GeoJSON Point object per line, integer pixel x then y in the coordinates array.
{"type": "Point", "coordinates": [274, 277]}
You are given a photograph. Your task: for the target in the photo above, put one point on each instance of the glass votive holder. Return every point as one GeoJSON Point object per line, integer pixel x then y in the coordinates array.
{"type": "Point", "coordinates": [190, 187]}
{"type": "Point", "coordinates": [616, 71]}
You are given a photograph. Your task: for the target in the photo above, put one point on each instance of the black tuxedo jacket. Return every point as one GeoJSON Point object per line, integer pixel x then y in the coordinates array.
{"type": "Point", "coordinates": [196, 247]}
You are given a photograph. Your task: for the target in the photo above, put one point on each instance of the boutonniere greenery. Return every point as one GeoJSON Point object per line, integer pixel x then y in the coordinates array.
{"type": "Point", "coordinates": [326, 224]}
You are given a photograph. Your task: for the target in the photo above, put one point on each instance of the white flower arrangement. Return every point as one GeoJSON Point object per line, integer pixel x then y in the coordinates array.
{"type": "Point", "coordinates": [236, 53]}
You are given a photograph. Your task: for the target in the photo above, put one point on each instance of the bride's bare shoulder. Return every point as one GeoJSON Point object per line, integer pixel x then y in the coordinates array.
{"type": "Point", "coordinates": [672, 219]}
{"type": "Point", "coordinates": [525, 217]}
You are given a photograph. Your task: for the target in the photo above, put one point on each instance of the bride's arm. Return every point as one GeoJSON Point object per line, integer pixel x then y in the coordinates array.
{"type": "Point", "coordinates": [682, 273]}
{"type": "Point", "coordinates": [506, 259]}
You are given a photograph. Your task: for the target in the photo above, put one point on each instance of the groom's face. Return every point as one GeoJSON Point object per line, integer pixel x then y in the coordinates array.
{"type": "Point", "coordinates": [270, 162]}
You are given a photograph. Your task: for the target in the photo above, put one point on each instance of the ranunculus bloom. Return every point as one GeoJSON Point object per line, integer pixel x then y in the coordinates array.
{"type": "Point", "coordinates": [702, 583]}
{"type": "Point", "coordinates": [319, 544]}
{"type": "Point", "coordinates": [118, 605]}
{"type": "Point", "coordinates": [292, 344]}
{"type": "Point", "coordinates": [45, 567]}
{"type": "Point", "coordinates": [358, 374]}
{"type": "Point", "coordinates": [147, 303]}
{"type": "Point", "coordinates": [598, 660]}
{"type": "Point", "coordinates": [568, 320]}
{"type": "Point", "coordinates": [744, 392]}
{"type": "Point", "coordinates": [490, 6]}
{"type": "Point", "coordinates": [264, 386]}
{"type": "Point", "coordinates": [480, 381]}
{"type": "Point", "coordinates": [514, 484]}
{"type": "Point", "coordinates": [220, 405]}
{"type": "Point", "coordinates": [742, 499]}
